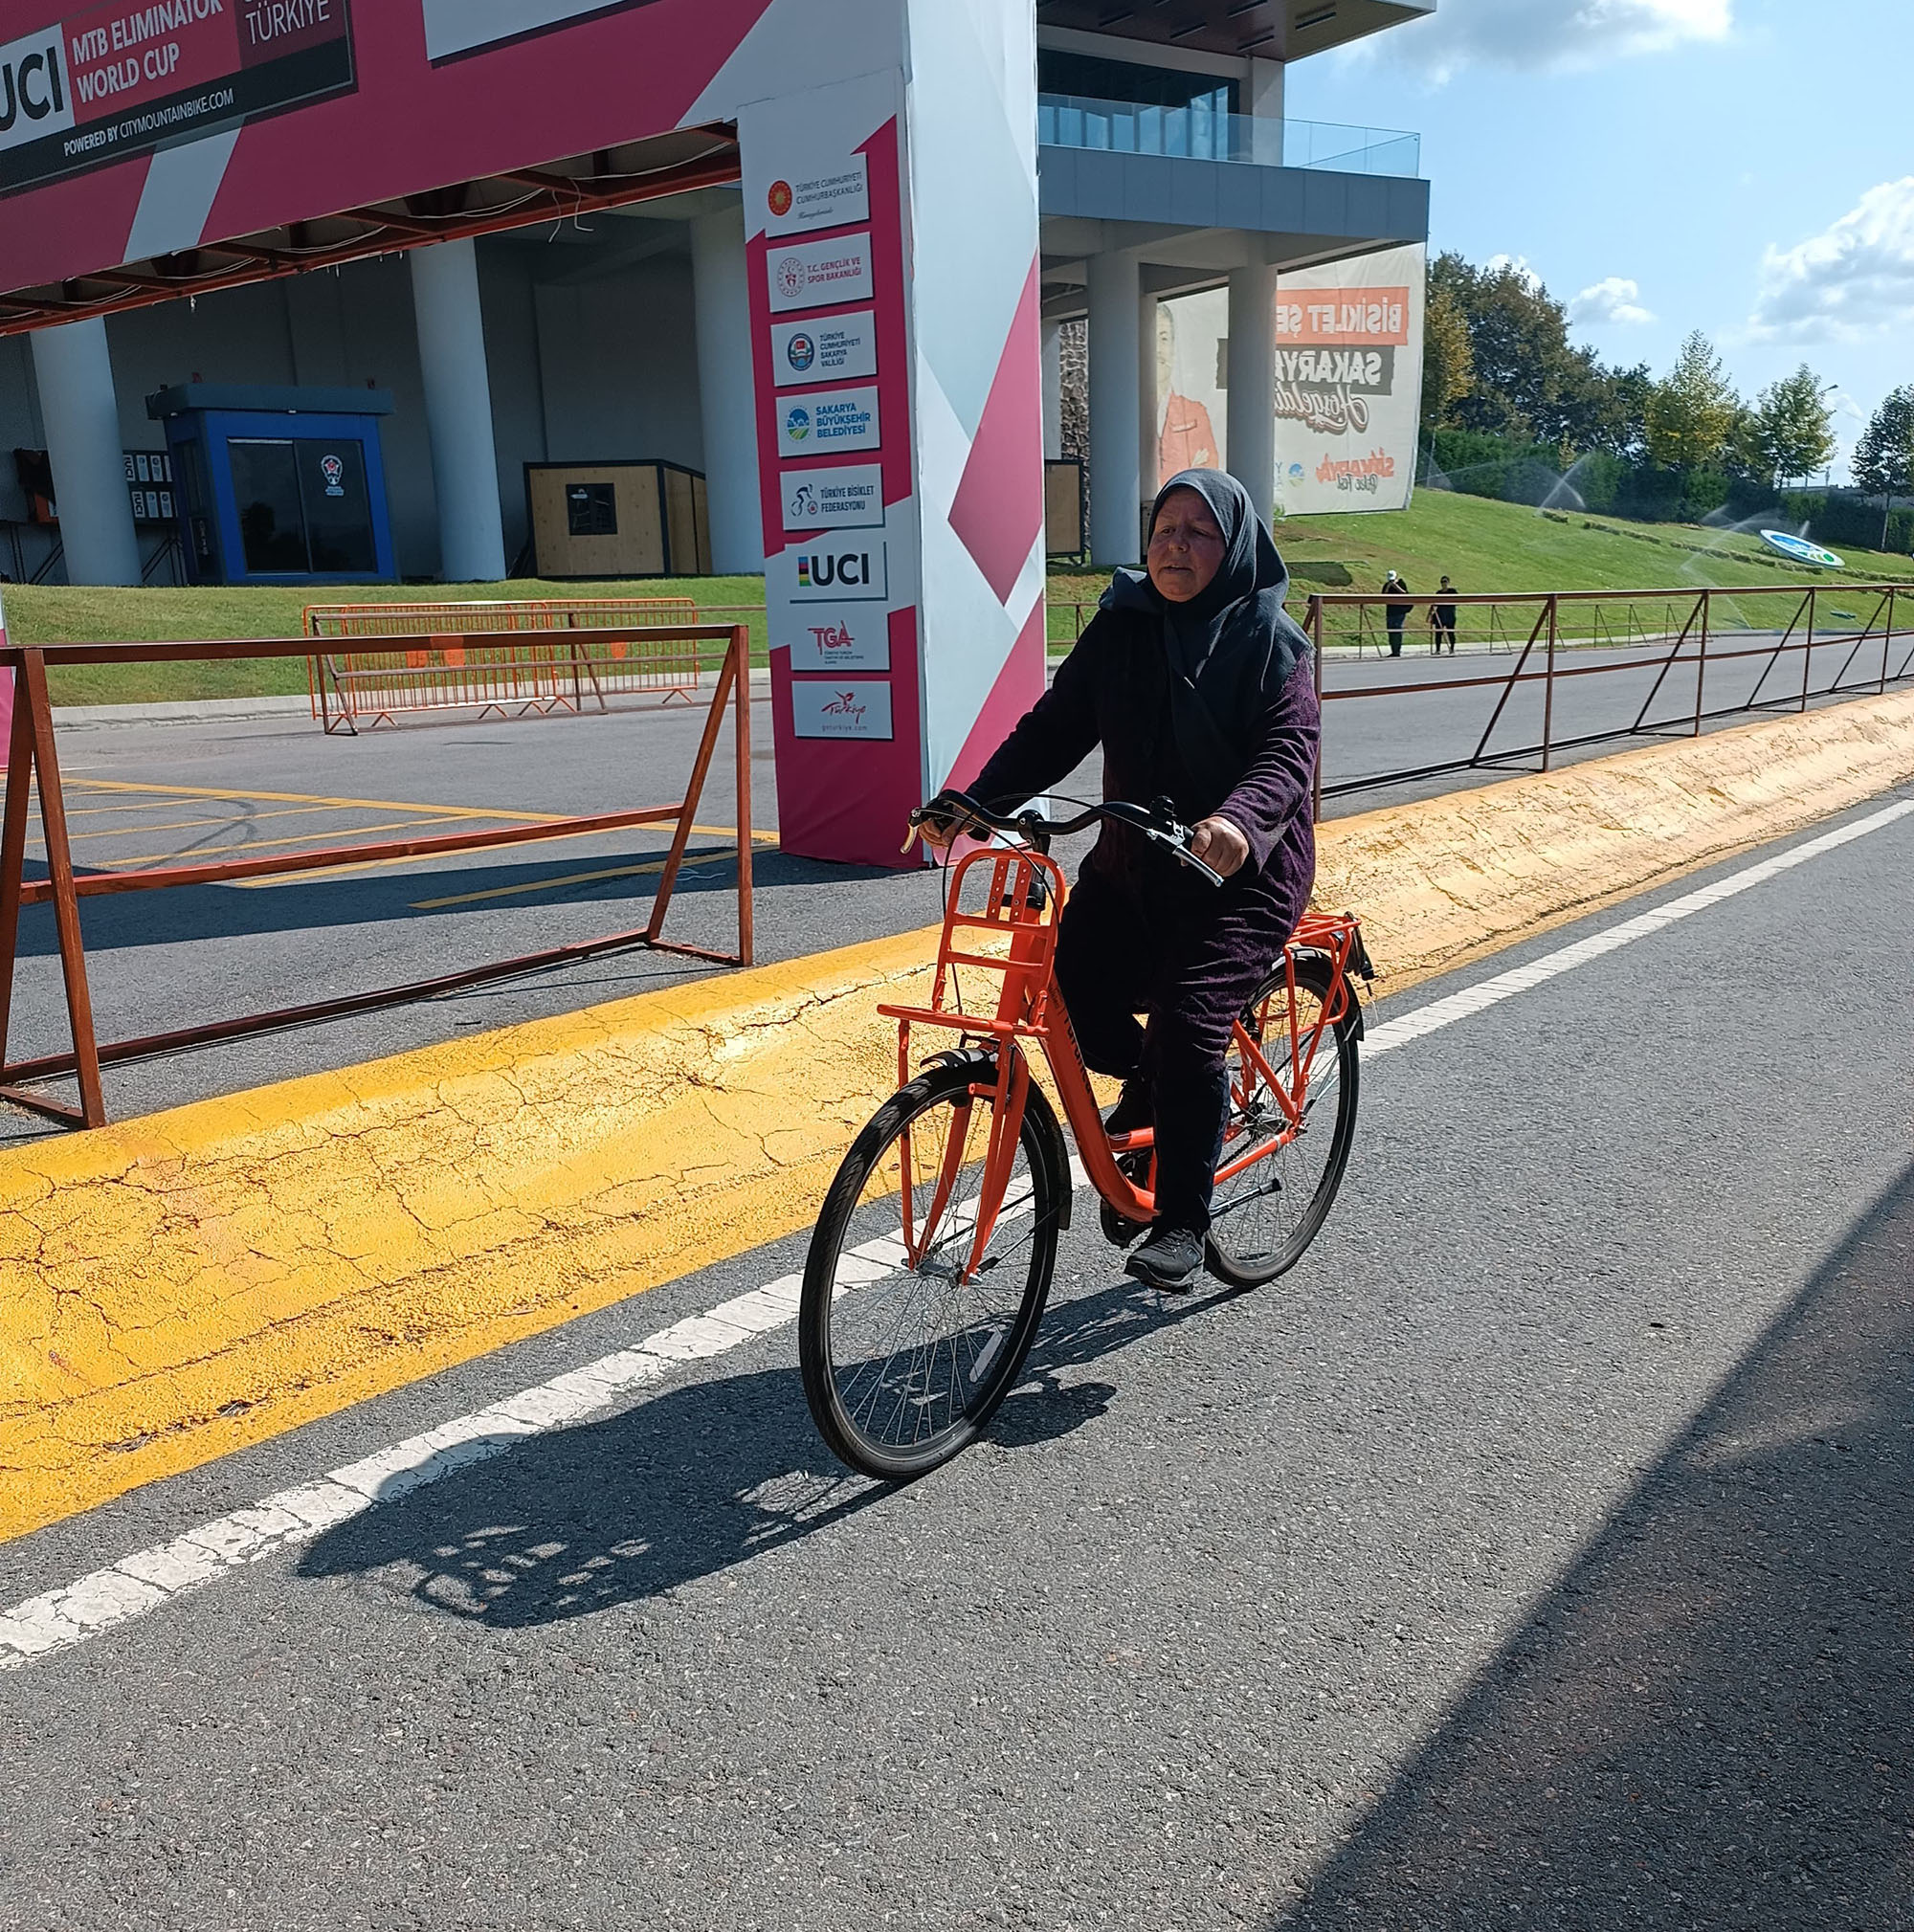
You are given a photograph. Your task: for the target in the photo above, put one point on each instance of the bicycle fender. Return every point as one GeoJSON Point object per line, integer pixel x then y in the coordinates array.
{"type": "Point", "coordinates": [1037, 1107]}
{"type": "Point", "coordinates": [1354, 1016]}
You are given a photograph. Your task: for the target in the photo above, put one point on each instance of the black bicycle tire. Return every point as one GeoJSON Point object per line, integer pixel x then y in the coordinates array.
{"type": "Point", "coordinates": [1315, 974]}
{"type": "Point", "coordinates": [931, 1088]}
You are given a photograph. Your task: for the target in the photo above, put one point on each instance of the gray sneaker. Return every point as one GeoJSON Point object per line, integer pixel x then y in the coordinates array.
{"type": "Point", "coordinates": [1171, 1259]}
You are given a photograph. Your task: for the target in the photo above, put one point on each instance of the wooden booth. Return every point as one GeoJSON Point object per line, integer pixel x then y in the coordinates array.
{"type": "Point", "coordinates": [617, 520]}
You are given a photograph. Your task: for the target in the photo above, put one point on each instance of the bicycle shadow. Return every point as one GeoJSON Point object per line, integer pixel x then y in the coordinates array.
{"type": "Point", "coordinates": [694, 1481]}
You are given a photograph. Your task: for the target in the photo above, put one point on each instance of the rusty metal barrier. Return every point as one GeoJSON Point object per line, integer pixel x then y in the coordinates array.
{"type": "Point", "coordinates": [32, 770]}
{"type": "Point", "coordinates": [436, 662]}
{"type": "Point", "coordinates": [1686, 635]}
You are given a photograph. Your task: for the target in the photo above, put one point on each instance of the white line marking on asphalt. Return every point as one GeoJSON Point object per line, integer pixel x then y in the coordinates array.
{"type": "Point", "coordinates": [140, 1583]}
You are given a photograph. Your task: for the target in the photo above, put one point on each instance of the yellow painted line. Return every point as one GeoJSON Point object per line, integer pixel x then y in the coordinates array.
{"type": "Point", "coordinates": [569, 878]}
{"type": "Point", "coordinates": [319, 798]}
{"type": "Point", "coordinates": [210, 855]}
{"type": "Point", "coordinates": [381, 864]}
{"type": "Point", "coordinates": [179, 1286]}
{"type": "Point", "coordinates": [193, 823]}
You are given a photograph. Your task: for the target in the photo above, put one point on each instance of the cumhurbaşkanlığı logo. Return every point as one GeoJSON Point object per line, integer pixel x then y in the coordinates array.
{"type": "Point", "coordinates": [800, 352]}
{"type": "Point", "coordinates": [780, 198]}
{"type": "Point", "coordinates": [792, 277]}
{"type": "Point", "coordinates": [797, 425]}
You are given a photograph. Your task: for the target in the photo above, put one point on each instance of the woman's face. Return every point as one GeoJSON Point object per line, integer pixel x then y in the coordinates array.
{"type": "Point", "coordinates": [1185, 546]}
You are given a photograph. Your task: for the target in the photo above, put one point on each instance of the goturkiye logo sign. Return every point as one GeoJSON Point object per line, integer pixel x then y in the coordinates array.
{"type": "Point", "coordinates": [123, 79]}
{"type": "Point", "coordinates": [850, 497]}
{"type": "Point", "coordinates": [850, 639]}
{"type": "Point", "coordinates": [841, 707]}
{"type": "Point", "coordinates": [819, 273]}
{"type": "Point", "coordinates": [832, 348]}
{"type": "Point", "coordinates": [831, 420]}
{"type": "Point", "coordinates": [800, 203]}
{"type": "Point", "coordinates": [832, 571]}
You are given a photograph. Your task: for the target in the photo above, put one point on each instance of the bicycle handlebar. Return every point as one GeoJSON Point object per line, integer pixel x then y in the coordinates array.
{"type": "Point", "coordinates": [1158, 823]}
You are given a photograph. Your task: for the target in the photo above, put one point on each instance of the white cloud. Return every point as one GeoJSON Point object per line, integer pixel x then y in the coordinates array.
{"type": "Point", "coordinates": [1551, 33]}
{"type": "Point", "coordinates": [1852, 280]}
{"type": "Point", "coordinates": [1519, 263]}
{"type": "Point", "coordinates": [1615, 301]}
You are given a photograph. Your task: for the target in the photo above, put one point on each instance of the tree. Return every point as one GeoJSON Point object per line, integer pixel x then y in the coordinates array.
{"type": "Point", "coordinates": [1692, 413]}
{"type": "Point", "coordinates": [1448, 368]}
{"type": "Point", "coordinates": [1795, 429]}
{"type": "Point", "coordinates": [1884, 459]}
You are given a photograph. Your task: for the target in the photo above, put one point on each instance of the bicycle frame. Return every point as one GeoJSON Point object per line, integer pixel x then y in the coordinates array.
{"type": "Point", "coordinates": [1024, 901]}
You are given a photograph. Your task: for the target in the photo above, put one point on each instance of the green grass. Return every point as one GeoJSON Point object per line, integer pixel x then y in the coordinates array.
{"type": "Point", "coordinates": [1486, 547]}
{"type": "Point", "coordinates": [56, 614]}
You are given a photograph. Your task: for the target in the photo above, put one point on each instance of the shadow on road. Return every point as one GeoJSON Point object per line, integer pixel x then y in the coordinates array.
{"type": "Point", "coordinates": [693, 1481]}
{"type": "Point", "coordinates": [1711, 1722]}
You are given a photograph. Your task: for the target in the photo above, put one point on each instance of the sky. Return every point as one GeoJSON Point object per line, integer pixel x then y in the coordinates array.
{"type": "Point", "coordinates": [1741, 167]}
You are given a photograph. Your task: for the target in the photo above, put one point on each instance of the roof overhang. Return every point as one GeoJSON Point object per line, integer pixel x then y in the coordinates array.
{"type": "Point", "coordinates": [1268, 30]}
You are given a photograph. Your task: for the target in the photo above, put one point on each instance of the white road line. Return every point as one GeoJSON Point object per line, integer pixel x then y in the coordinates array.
{"type": "Point", "coordinates": [140, 1583]}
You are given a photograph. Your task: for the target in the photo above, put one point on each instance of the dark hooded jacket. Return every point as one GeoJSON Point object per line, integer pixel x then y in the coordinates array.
{"type": "Point", "coordinates": [1212, 705]}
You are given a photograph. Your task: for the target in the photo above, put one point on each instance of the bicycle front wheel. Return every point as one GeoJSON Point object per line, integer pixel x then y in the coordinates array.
{"type": "Point", "coordinates": [908, 1339]}
{"type": "Point", "coordinates": [1268, 1213]}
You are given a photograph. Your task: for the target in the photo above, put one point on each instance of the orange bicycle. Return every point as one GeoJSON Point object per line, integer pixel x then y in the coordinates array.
{"type": "Point", "coordinates": [932, 1261]}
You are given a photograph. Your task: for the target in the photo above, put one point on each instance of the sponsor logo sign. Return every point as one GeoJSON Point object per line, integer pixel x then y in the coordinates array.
{"type": "Point", "coordinates": [832, 198]}
{"type": "Point", "coordinates": [117, 80]}
{"type": "Point", "coordinates": [829, 420]}
{"type": "Point", "coordinates": [819, 273]}
{"type": "Point", "coordinates": [830, 348]}
{"type": "Point", "coordinates": [1801, 551]}
{"type": "Point", "coordinates": [850, 497]}
{"type": "Point", "coordinates": [831, 570]}
{"type": "Point", "coordinates": [855, 638]}
{"type": "Point", "coordinates": [841, 707]}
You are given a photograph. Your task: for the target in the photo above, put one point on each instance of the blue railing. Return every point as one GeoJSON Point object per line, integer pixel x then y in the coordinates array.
{"type": "Point", "coordinates": [1203, 132]}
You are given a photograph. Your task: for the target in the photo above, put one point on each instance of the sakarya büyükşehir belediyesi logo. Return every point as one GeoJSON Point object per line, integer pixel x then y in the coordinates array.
{"type": "Point", "coordinates": [797, 425]}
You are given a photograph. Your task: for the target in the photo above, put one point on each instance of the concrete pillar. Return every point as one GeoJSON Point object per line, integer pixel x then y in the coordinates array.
{"type": "Point", "coordinates": [82, 423]}
{"type": "Point", "coordinates": [458, 412]}
{"type": "Point", "coordinates": [727, 395]}
{"type": "Point", "coordinates": [1149, 405]}
{"type": "Point", "coordinates": [1250, 432]}
{"type": "Point", "coordinates": [1262, 102]}
{"type": "Point", "coordinates": [1116, 415]}
{"type": "Point", "coordinates": [1052, 391]}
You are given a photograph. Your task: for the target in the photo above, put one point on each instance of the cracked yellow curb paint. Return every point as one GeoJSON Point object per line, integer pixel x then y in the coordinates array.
{"type": "Point", "coordinates": [186, 1285]}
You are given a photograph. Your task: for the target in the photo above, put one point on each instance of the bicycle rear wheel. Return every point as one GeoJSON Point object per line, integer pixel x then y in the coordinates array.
{"type": "Point", "coordinates": [1266, 1216]}
{"type": "Point", "coordinates": [906, 1350]}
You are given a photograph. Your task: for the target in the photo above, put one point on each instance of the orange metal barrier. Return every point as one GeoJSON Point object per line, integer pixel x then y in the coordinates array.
{"type": "Point", "coordinates": [32, 774]}
{"type": "Point", "coordinates": [631, 646]}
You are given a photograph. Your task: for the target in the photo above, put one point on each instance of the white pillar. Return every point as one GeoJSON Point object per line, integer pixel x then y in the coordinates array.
{"type": "Point", "coordinates": [83, 422]}
{"type": "Point", "coordinates": [1149, 405]}
{"type": "Point", "coordinates": [726, 396]}
{"type": "Point", "coordinates": [1116, 487]}
{"type": "Point", "coordinates": [1263, 104]}
{"type": "Point", "coordinates": [1052, 391]}
{"type": "Point", "coordinates": [1251, 431]}
{"type": "Point", "coordinates": [458, 412]}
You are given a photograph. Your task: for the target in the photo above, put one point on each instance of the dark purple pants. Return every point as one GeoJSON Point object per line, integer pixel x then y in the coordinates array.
{"type": "Point", "coordinates": [1192, 967]}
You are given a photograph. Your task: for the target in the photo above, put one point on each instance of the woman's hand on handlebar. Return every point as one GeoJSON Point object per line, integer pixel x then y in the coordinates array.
{"type": "Point", "coordinates": [1220, 845]}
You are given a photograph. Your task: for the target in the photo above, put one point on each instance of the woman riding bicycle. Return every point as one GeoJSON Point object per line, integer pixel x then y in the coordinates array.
{"type": "Point", "coordinates": [1198, 687]}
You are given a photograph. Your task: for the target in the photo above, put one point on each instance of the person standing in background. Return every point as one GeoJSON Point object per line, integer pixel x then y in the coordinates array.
{"type": "Point", "coordinates": [1442, 620]}
{"type": "Point", "coordinates": [1396, 615]}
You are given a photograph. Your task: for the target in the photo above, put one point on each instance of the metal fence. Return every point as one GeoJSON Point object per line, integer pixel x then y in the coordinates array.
{"type": "Point", "coordinates": [33, 781]}
{"type": "Point", "coordinates": [1667, 663]}
{"type": "Point", "coordinates": [602, 652]}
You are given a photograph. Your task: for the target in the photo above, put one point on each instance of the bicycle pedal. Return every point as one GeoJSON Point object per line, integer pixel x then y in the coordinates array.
{"type": "Point", "coordinates": [1118, 1232]}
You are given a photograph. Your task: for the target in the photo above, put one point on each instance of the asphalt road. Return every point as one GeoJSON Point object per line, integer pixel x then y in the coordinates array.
{"type": "Point", "coordinates": [183, 957]}
{"type": "Point", "coordinates": [1534, 1557]}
